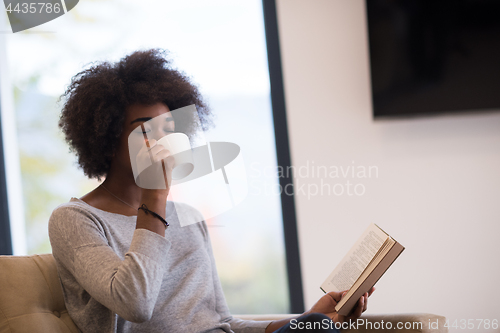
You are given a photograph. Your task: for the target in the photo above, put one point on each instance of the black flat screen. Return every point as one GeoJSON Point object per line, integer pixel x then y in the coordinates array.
{"type": "Point", "coordinates": [434, 56]}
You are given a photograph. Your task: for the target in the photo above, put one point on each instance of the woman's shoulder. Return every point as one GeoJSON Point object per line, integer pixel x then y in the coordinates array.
{"type": "Point", "coordinates": [82, 208]}
{"type": "Point", "coordinates": [75, 214]}
{"type": "Point", "coordinates": [75, 208]}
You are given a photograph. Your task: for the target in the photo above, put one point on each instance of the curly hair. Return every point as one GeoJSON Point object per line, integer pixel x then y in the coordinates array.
{"type": "Point", "coordinates": [93, 113]}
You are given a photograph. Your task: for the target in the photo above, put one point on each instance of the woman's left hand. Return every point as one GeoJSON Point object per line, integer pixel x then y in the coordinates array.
{"type": "Point", "coordinates": [327, 303]}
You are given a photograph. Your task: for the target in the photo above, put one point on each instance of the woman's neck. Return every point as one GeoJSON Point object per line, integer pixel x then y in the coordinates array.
{"type": "Point", "coordinates": [115, 195]}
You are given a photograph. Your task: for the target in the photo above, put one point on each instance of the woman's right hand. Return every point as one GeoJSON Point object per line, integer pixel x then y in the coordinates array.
{"type": "Point", "coordinates": [154, 164]}
{"type": "Point", "coordinates": [154, 179]}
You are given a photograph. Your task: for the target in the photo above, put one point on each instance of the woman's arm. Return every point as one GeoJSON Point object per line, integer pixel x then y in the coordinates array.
{"type": "Point", "coordinates": [128, 286]}
{"type": "Point", "coordinates": [156, 201]}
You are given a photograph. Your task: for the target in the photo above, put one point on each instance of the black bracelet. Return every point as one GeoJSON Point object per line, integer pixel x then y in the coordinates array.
{"type": "Point", "coordinates": [147, 211]}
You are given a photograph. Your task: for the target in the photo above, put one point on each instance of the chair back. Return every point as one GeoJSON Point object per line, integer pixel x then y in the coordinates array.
{"type": "Point", "coordinates": [31, 298]}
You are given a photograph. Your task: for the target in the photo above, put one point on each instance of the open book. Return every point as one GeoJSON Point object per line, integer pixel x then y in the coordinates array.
{"type": "Point", "coordinates": [361, 268]}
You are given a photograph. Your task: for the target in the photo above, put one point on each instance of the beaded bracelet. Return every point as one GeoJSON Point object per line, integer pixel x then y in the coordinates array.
{"type": "Point", "coordinates": [147, 211]}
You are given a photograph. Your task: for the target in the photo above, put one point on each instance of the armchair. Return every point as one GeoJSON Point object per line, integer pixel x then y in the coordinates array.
{"type": "Point", "coordinates": [31, 300]}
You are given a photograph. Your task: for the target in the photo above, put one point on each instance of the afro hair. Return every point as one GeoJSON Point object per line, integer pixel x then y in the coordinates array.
{"type": "Point", "coordinates": [95, 102]}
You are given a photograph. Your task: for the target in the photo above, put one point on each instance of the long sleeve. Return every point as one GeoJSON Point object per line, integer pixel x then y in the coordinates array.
{"type": "Point", "coordinates": [117, 279]}
{"type": "Point", "coordinates": [128, 286]}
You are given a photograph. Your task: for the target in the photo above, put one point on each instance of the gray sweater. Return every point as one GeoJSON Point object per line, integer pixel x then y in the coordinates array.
{"type": "Point", "coordinates": [117, 278]}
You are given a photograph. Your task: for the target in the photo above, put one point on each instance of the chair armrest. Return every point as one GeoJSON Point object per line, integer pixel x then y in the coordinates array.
{"type": "Point", "coordinates": [377, 323]}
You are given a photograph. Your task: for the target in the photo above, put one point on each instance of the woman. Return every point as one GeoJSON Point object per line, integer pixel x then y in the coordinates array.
{"type": "Point", "coordinates": [122, 269]}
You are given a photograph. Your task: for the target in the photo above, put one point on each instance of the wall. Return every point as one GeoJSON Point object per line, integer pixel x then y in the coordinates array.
{"type": "Point", "coordinates": [438, 184]}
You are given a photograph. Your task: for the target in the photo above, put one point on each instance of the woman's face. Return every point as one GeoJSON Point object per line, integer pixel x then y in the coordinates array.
{"type": "Point", "coordinates": [142, 122]}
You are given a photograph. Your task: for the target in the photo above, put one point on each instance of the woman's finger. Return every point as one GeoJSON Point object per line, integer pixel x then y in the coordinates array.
{"type": "Point", "coordinates": [156, 149]}
{"type": "Point", "coordinates": [359, 309]}
{"type": "Point", "coordinates": [336, 296]}
{"type": "Point", "coordinates": [168, 164]}
{"type": "Point", "coordinates": [161, 154]}
{"type": "Point", "coordinates": [170, 161]}
{"type": "Point", "coordinates": [365, 302]}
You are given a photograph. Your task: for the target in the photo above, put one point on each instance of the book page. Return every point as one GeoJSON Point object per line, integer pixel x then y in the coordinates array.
{"type": "Point", "coordinates": [391, 250]}
{"type": "Point", "coordinates": [371, 266]}
{"type": "Point", "coordinates": [356, 260]}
